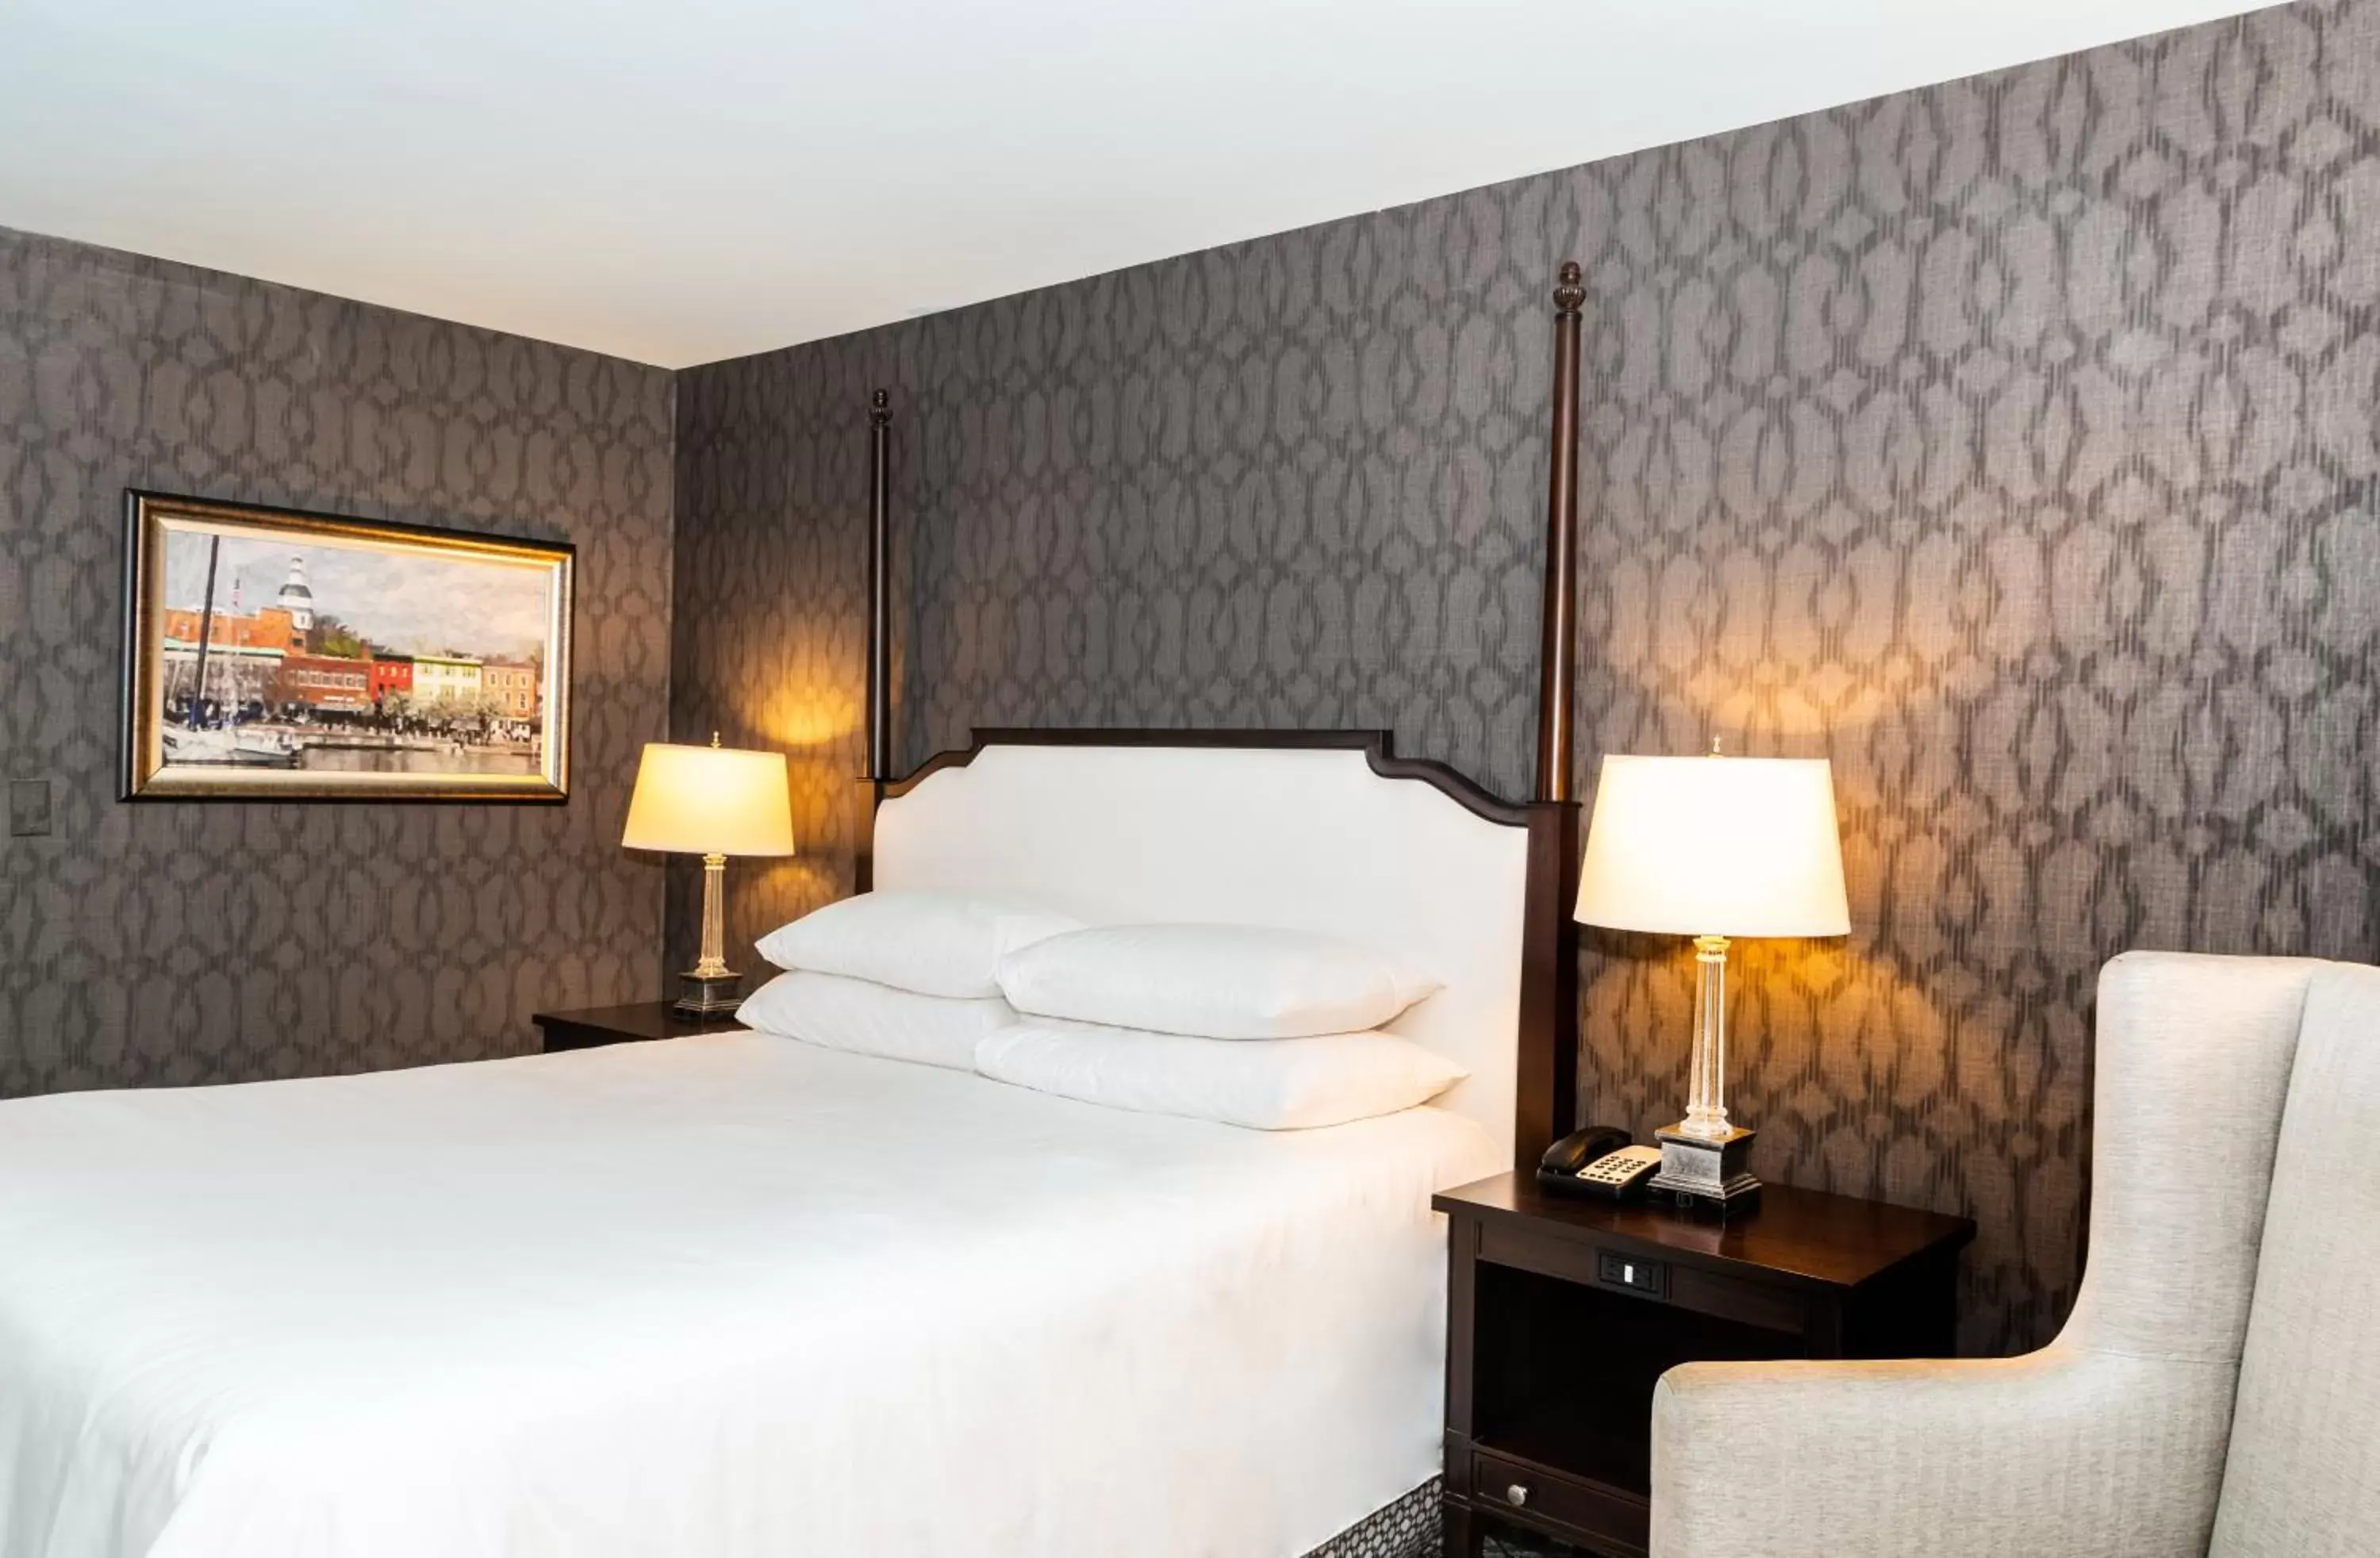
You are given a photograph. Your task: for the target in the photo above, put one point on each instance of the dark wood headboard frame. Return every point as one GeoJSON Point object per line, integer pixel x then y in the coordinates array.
{"type": "Point", "coordinates": [1547, 1097]}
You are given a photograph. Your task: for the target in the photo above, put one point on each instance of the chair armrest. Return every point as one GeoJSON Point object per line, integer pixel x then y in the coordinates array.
{"type": "Point", "coordinates": [2061, 1454]}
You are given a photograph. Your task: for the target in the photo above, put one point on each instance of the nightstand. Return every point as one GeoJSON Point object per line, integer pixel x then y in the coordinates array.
{"type": "Point", "coordinates": [1561, 1313]}
{"type": "Point", "coordinates": [589, 1027]}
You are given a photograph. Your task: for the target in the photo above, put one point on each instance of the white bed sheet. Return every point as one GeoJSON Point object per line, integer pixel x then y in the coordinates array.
{"type": "Point", "coordinates": [723, 1296]}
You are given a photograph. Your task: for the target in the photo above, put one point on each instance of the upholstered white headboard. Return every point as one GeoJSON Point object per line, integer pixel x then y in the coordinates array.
{"type": "Point", "coordinates": [1411, 861]}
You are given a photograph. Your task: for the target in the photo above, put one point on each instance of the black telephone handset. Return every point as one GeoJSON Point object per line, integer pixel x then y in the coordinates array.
{"type": "Point", "coordinates": [1599, 1161]}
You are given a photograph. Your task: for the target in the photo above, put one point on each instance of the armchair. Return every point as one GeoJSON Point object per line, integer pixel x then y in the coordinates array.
{"type": "Point", "coordinates": [2211, 1391]}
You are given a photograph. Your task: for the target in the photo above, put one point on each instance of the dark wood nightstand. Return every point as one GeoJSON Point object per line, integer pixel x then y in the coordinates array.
{"type": "Point", "coordinates": [591, 1025]}
{"type": "Point", "coordinates": [1561, 1313]}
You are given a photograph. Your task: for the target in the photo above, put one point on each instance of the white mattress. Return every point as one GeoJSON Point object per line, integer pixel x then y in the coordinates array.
{"type": "Point", "coordinates": [724, 1295]}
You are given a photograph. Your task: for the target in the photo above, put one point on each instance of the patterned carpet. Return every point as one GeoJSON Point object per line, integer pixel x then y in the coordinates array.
{"type": "Point", "coordinates": [1518, 1546]}
{"type": "Point", "coordinates": [1409, 1528]}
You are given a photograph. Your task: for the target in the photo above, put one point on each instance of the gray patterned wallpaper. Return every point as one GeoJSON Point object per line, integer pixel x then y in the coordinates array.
{"type": "Point", "coordinates": [2010, 441]}
{"type": "Point", "coordinates": [163, 943]}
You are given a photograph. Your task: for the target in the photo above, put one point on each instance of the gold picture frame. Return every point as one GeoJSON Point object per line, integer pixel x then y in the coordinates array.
{"type": "Point", "coordinates": [273, 654]}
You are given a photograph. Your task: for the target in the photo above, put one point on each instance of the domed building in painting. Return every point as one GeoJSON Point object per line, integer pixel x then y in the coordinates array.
{"type": "Point", "coordinates": [297, 597]}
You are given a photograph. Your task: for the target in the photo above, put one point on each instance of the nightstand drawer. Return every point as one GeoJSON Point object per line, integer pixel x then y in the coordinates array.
{"type": "Point", "coordinates": [1533, 1495]}
{"type": "Point", "coordinates": [1580, 1261]}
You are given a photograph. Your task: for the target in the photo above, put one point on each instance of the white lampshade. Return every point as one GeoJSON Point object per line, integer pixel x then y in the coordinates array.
{"type": "Point", "coordinates": [710, 800]}
{"type": "Point", "coordinates": [1715, 846]}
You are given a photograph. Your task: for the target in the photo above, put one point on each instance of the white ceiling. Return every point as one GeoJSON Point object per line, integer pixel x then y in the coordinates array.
{"type": "Point", "coordinates": [681, 180]}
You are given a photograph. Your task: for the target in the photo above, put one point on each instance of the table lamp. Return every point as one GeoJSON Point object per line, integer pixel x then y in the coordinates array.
{"type": "Point", "coordinates": [714, 802]}
{"type": "Point", "coordinates": [1713, 847]}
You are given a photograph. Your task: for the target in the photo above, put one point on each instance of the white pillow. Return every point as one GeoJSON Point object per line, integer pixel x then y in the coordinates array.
{"type": "Point", "coordinates": [1324, 1079]}
{"type": "Point", "coordinates": [1218, 982]}
{"type": "Point", "coordinates": [934, 943]}
{"type": "Point", "coordinates": [873, 1019]}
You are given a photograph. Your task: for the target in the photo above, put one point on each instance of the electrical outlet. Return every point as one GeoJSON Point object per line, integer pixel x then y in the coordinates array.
{"type": "Point", "coordinates": [28, 808]}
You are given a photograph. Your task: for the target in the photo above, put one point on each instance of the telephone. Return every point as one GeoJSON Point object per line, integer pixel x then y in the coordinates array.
{"type": "Point", "coordinates": [1599, 1161]}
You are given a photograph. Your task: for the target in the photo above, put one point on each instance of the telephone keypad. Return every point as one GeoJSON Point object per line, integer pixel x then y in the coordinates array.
{"type": "Point", "coordinates": [1619, 1168]}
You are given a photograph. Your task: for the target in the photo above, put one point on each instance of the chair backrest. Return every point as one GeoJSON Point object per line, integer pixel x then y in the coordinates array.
{"type": "Point", "coordinates": [2193, 1067]}
{"type": "Point", "coordinates": [2304, 1475]}
{"type": "Point", "coordinates": [2193, 1062]}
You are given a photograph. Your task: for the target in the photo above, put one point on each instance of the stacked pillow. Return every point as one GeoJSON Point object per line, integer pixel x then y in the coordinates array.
{"type": "Point", "coordinates": [839, 1013]}
{"type": "Point", "coordinates": [1269, 1029]}
{"type": "Point", "coordinates": [1282, 1084]}
{"type": "Point", "coordinates": [931, 943]}
{"type": "Point", "coordinates": [908, 976]}
{"type": "Point", "coordinates": [1216, 982]}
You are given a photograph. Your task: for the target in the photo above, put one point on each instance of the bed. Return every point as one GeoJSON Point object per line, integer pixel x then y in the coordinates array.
{"type": "Point", "coordinates": [728, 1294]}
{"type": "Point", "coordinates": [737, 1295]}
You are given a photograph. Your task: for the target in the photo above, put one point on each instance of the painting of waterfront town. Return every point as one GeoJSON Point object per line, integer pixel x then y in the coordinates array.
{"type": "Point", "coordinates": [289, 656]}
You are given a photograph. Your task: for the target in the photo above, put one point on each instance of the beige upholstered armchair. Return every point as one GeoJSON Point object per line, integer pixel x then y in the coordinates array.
{"type": "Point", "coordinates": [2218, 1387]}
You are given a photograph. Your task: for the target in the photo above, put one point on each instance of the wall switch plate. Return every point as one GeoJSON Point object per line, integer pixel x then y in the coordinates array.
{"type": "Point", "coordinates": [28, 808]}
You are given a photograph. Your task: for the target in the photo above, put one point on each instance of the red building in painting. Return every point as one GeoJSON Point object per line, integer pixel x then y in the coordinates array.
{"type": "Point", "coordinates": [392, 676]}
{"type": "Point", "coordinates": [326, 682]}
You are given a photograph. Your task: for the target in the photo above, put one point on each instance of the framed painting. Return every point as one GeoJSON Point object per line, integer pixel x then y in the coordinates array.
{"type": "Point", "coordinates": [276, 655]}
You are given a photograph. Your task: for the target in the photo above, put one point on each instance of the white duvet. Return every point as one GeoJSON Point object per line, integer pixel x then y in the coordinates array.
{"type": "Point", "coordinates": [723, 1296]}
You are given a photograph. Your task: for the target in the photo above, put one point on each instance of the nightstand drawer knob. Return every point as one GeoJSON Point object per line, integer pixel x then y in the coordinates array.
{"type": "Point", "coordinates": [1516, 1495]}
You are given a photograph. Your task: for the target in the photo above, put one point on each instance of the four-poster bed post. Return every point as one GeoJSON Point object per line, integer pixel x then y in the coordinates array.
{"type": "Point", "coordinates": [1558, 654]}
{"type": "Point", "coordinates": [878, 770]}
{"type": "Point", "coordinates": [1546, 1099]}
{"type": "Point", "coordinates": [880, 584]}
{"type": "Point", "coordinates": [1547, 1106]}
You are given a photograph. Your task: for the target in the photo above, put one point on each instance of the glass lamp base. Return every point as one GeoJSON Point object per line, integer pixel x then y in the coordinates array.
{"type": "Point", "coordinates": [1705, 1172]}
{"type": "Point", "coordinates": [707, 995]}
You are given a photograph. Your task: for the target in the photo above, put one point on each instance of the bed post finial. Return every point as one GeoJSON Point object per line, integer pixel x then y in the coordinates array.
{"type": "Point", "coordinates": [1557, 652]}
{"type": "Point", "coordinates": [1570, 293]}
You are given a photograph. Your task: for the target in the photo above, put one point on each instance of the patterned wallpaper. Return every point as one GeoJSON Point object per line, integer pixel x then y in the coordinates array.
{"type": "Point", "coordinates": [2009, 442]}
{"type": "Point", "coordinates": [168, 944]}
